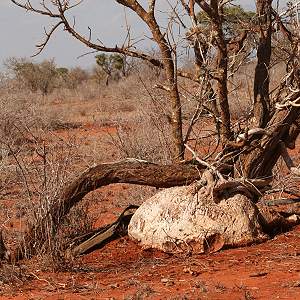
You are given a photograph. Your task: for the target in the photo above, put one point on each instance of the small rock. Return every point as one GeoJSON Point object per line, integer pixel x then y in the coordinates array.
{"type": "Point", "coordinates": [296, 284]}
{"type": "Point", "coordinates": [114, 286]}
{"type": "Point", "coordinates": [293, 219]}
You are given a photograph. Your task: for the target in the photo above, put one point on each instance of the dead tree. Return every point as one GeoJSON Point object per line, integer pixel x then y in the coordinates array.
{"type": "Point", "coordinates": [248, 155]}
{"type": "Point", "coordinates": [167, 61]}
{"type": "Point", "coordinates": [128, 171]}
{"type": "Point", "coordinates": [261, 80]}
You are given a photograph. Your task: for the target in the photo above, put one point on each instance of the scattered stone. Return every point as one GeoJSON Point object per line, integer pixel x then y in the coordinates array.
{"type": "Point", "coordinates": [296, 284]}
{"type": "Point", "coordinates": [115, 285]}
{"type": "Point", "coordinates": [191, 271]}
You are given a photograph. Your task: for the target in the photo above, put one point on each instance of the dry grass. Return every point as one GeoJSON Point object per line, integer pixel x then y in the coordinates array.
{"type": "Point", "coordinates": [46, 140]}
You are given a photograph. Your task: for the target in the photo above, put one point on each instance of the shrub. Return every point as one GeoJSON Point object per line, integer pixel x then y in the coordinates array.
{"type": "Point", "coordinates": [72, 78]}
{"type": "Point", "coordinates": [34, 76]}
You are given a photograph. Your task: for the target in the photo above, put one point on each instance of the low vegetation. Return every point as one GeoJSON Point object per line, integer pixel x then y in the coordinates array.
{"type": "Point", "coordinates": [224, 120]}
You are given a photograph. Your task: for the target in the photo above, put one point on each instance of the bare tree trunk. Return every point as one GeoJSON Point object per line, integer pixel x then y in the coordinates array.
{"type": "Point", "coordinates": [262, 154]}
{"type": "Point", "coordinates": [261, 108]}
{"type": "Point", "coordinates": [221, 90]}
{"type": "Point", "coordinates": [171, 74]}
{"type": "Point", "coordinates": [214, 11]}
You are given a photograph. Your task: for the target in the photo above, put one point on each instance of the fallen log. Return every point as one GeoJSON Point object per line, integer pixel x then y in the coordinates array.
{"type": "Point", "coordinates": [131, 171]}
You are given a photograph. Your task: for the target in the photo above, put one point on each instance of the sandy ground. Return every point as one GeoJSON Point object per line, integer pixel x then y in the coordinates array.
{"type": "Point", "coordinates": [122, 270]}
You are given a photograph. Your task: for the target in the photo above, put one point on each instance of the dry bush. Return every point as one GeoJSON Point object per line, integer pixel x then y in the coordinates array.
{"type": "Point", "coordinates": [42, 173]}
{"type": "Point", "coordinates": [33, 76]}
{"type": "Point", "coordinates": [240, 92]}
{"type": "Point", "coordinates": [71, 79]}
{"type": "Point", "coordinates": [141, 114]}
{"type": "Point", "coordinates": [35, 166]}
{"type": "Point", "coordinates": [142, 142]}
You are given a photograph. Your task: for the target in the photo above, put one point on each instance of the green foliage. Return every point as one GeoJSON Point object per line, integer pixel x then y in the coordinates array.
{"type": "Point", "coordinates": [110, 63]}
{"type": "Point", "coordinates": [234, 16]}
{"type": "Point", "coordinates": [62, 71]}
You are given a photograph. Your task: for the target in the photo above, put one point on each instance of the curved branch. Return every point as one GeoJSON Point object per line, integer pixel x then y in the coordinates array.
{"type": "Point", "coordinates": [42, 45]}
{"type": "Point", "coordinates": [130, 171]}
{"type": "Point", "coordinates": [86, 41]}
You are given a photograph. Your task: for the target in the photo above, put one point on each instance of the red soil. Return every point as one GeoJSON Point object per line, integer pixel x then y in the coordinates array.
{"type": "Point", "coordinates": [122, 270]}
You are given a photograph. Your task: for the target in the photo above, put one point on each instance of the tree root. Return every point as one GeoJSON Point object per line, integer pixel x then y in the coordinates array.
{"type": "Point", "coordinates": [249, 188]}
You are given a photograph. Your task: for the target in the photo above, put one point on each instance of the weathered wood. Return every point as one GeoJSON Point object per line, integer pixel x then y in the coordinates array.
{"type": "Point", "coordinates": [264, 50]}
{"type": "Point", "coordinates": [262, 154]}
{"type": "Point", "coordinates": [99, 238]}
{"type": "Point", "coordinates": [130, 171]}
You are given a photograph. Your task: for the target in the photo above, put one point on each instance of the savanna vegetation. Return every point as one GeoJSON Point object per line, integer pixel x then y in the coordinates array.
{"type": "Point", "coordinates": [215, 107]}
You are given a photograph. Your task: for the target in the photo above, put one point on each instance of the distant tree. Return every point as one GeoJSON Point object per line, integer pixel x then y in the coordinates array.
{"type": "Point", "coordinates": [34, 76]}
{"type": "Point", "coordinates": [111, 65]}
{"type": "Point", "coordinates": [76, 76]}
{"type": "Point", "coordinates": [235, 19]}
{"type": "Point", "coordinates": [71, 78]}
{"type": "Point", "coordinates": [61, 71]}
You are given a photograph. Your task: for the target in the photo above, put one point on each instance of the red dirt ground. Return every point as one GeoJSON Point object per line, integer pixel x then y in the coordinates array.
{"type": "Point", "coordinates": [122, 270]}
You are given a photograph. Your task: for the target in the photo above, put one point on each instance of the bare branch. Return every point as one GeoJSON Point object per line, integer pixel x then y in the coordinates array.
{"type": "Point", "coordinates": [29, 7]}
{"type": "Point", "coordinates": [151, 7]}
{"type": "Point", "coordinates": [207, 8]}
{"type": "Point", "coordinates": [48, 36]}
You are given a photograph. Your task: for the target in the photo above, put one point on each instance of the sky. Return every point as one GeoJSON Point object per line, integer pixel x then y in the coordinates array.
{"type": "Point", "coordinates": [22, 30]}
